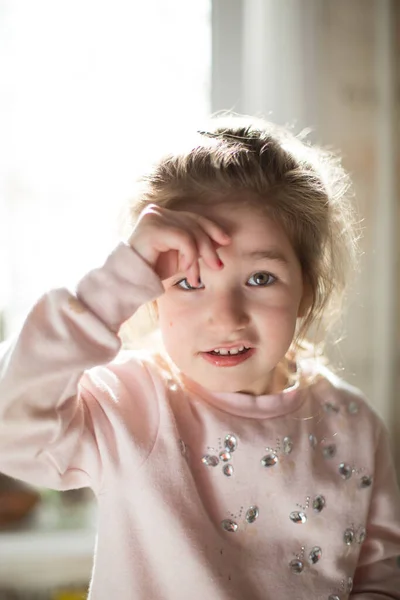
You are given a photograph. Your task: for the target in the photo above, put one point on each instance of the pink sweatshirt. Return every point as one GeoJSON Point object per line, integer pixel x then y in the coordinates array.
{"type": "Point", "coordinates": [202, 496]}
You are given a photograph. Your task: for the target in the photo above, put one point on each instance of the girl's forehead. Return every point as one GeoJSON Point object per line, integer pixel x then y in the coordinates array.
{"type": "Point", "coordinates": [240, 219]}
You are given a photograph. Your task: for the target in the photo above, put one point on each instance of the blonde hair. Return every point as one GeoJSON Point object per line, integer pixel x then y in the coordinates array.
{"type": "Point", "coordinates": [302, 187]}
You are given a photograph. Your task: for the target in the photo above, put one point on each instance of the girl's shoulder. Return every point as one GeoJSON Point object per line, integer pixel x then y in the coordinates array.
{"type": "Point", "coordinates": [336, 395]}
{"type": "Point", "coordinates": [133, 368]}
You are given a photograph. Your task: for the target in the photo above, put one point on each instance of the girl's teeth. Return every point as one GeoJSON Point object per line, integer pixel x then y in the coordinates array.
{"type": "Point", "coordinates": [225, 351]}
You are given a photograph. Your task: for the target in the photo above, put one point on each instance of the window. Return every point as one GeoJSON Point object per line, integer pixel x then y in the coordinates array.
{"type": "Point", "coordinates": [88, 92]}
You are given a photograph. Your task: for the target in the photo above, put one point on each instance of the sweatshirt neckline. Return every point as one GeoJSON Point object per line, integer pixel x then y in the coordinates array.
{"type": "Point", "coordinates": [265, 406]}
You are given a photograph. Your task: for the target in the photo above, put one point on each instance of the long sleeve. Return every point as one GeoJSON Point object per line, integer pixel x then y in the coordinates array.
{"type": "Point", "coordinates": [47, 435]}
{"type": "Point", "coordinates": [378, 572]}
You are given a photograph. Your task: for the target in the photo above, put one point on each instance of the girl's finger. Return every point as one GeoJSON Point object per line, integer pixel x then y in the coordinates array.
{"type": "Point", "coordinates": [193, 274]}
{"type": "Point", "coordinates": [182, 262]}
{"type": "Point", "coordinates": [180, 242]}
{"type": "Point", "coordinates": [188, 252]}
{"type": "Point", "coordinates": [207, 233]}
{"type": "Point", "coordinates": [206, 248]}
{"type": "Point", "coordinates": [214, 231]}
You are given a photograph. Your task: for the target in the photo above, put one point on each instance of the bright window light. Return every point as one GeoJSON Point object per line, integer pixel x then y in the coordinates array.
{"type": "Point", "coordinates": [89, 91]}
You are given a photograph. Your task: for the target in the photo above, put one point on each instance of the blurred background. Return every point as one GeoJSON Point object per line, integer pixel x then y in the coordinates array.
{"type": "Point", "coordinates": [89, 90]}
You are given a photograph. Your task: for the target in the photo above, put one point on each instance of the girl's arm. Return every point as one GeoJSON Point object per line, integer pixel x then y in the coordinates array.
{"type": "Point", "coordinates": [47, 431]}
{"type": "Point", "coordinates": [46, 416]}
{"type": "Point", "coordinates": [377, 575]}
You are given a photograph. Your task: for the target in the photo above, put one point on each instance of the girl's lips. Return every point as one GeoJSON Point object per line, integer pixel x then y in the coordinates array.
{"type": "Point", "coordinates": [227, 360]}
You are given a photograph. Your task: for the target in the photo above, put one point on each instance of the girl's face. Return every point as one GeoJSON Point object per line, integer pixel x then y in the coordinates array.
{"type": "Point", "coordinates": [254, 300]}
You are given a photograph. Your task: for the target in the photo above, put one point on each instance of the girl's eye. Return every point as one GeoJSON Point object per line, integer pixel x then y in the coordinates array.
{"type": "Point", "coordinates": [187, 285]}
{"type": "Point", "coordinates": [262, 279]}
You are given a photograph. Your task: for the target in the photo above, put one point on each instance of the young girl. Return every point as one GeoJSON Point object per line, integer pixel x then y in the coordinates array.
{"type": "Point", "coordinates": [227, 465]}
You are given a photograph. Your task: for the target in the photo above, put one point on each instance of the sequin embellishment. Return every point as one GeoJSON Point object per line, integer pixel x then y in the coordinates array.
{"type": "Point", "coordinates": [287, 445]}
{"type": "Point", "coordinates": [229, 525]}
{"type": "Point", "coordinates": [252, 514]}
{"type": "Point", "coordinates": [210, 460]}
{"type": "Point", "coordinates": [345, 471]}
{"type": "Point", "coordinates": [296, 565]}
{"type": "Point", "coordinates": [346, 585]}
{"type": "Point", "coordinates": [366, 481]}
{"type": "Point", "coordinates": [348, 536]}
{"type": "Point", "coordinates": [315, 555]}
{"type": "Point", "coordinates": [269, 460]}
{"type": "Point", "coordinates": [230, 443]}
{"type": "Point", "coordinates": [227, 470]}
{"type": "Point", "coordinates": [362, 534]}
{"type": "Point", "coordinates": [299, 564]}
{"type": "Point", "coordinates": [225, 456]}
{"type": "Point", "coordinates": [313, 440]}
{"type": "Point", "coordinates": [318, 503]}
{"type": "Point", "coordinates": [298, 517]}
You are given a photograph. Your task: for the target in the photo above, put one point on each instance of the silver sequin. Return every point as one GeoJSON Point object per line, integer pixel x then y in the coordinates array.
{"type": "Point", "coordinates": [329, 451]}
{"type": "Point", "coordinates": [269, 460]}
{"type": "Point", "coordinates": [366, 481]}
{"type": "Point", "coordinates": [315, 555]}
{"type": "Point", "coordinates": [362, 534]}
{"type": "Point", "coordinates": [230, 443]}
{"type": "Point", "coordinates": [313, 440]}
{"type": "Point", "coordinates": [352, 407]}
{"type": "Point", "coordinates": [349, 584]}
{"type": "Point", "coordinates": [345, 470]}
{"type": "Point", "coordinates": [227, 470]}
{"type": "Point", "coordinates": [252, 514]}
{"type": "Point", "coordinates": [287, 445]}
{"type": "Point", "coordinates": [318, 503]}
{"type": "Point", "coordinates": [298, 517]}
{"type": "Point", "coordinates": [225, 456]}
{"type": "Point", "coordinates": [348, 536]}
{"type": "Point", "coordinates": [210, 460]}
{"type": "Point", "coordinates": [296, 565]}
{"type": "Point", "coordinates": [229, 525]}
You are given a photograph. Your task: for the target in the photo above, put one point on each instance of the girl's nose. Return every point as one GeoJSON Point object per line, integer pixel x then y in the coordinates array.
{"type": "Point", "coordinates": [227, 312]}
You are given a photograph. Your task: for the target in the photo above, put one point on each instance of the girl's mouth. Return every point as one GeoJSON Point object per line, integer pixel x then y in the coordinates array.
{"type": "Point", "coordinates": [228, 360]}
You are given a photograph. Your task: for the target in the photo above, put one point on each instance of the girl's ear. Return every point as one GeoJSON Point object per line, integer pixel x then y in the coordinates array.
{"type": "Point", "coordinates": [306, 300]}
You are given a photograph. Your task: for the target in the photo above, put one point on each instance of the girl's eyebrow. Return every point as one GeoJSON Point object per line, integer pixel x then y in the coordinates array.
{"type": "Point", "coordinates": [270, 253]}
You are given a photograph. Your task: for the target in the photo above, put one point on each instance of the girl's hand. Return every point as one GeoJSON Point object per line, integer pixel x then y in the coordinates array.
{"type": "Point", "coordinates": [172, 241]}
